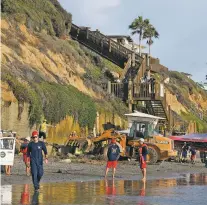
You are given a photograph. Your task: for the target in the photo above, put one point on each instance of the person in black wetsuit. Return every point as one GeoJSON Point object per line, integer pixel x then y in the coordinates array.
{"type": "Point", "coordinates": [34, 153]}
{"type": "Point", "coordinates": [185, 149]}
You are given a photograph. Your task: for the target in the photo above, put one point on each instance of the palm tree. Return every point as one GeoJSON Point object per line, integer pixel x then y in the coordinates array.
{"type": "Point", "coordinates": [138, 26]}
{"type": "Point", "coordinates": [149, 33]}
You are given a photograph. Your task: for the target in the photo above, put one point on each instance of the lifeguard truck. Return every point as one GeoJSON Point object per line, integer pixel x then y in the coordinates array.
{"type": "Point", "coordinates": [7, 147]}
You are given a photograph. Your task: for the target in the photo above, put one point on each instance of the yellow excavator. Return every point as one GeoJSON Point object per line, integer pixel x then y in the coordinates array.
{"type": "Point", "coordinates": [94, 145]}
{"type": "Point", "coordinates": [141, 125]}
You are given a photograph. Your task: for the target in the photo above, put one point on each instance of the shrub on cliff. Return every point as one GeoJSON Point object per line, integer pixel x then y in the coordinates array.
{"type": "Point", "coordinates": [62, 100]}
{"type": "Point", "coordinates": [52, 100]}
{"type": "Point", "coordinates": [24, 94]}
{"type": "Point", "coordinates": [39, 15]}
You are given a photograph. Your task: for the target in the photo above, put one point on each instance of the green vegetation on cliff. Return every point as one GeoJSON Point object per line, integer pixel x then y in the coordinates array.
{"type": "Point", "coordinates": [24, 94]}
{"type": "Point", "coordinates": [54, 101]}
{"type": "Point", "coordinates": [38, 15]}
{"type": "Point", "coordinates": [200, 124]}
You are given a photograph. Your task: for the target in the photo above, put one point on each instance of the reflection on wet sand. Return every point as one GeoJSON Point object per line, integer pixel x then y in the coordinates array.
{"type": "Point", "coordinates": [35, 198]}
{"type": "Point", "coordinates": [25, 196]}
{"type": "Point", "coordinates": [142, 192]}
{"type": "Point", "coordinates": [105, 191]}
{"type": "Point", "coordinates": [110, 192]}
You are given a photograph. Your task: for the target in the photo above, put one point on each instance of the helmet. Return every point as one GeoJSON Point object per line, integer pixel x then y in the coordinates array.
{"type": "Point", "coordinates": [141, 140]}
{"type": "Point", "coordinates": [113, 141]}
{"type": "Point", "coordinates": [35, 133]}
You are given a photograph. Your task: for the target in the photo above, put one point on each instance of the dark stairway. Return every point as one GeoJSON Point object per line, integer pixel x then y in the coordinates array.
{"type": "Point", "coordinates": [156, 108]}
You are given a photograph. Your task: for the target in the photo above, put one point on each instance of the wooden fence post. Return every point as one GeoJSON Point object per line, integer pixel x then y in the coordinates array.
{"type": "Point", "coordinates": [133, 59]}
{"type": "Point", "coordinates": [169, 120]}
{"type": "Point", "coordinates": [109, 87]}
{"type": "Point", "coordinates": [78, 31]}
{"type": "Point", "coordinates": [130, 90]}
{"type": "Point", "coordinates": [87, 32]}
{"type": "Point", "coordinates": [109, 45]}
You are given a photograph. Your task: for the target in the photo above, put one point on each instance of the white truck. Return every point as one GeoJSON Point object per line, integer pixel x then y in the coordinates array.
{"type": "Point", "coordinates": [7, 147]}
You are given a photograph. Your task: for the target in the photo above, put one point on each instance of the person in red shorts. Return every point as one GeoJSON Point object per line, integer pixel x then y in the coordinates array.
{"type": "Point", "coordinates": [143, 157]}
{"type": "Point", "coordinates": [113, 156]}
{"type": "Point", "coordinates": [23, 149]}
{"type": "Point", "coordinates": [193, 155]}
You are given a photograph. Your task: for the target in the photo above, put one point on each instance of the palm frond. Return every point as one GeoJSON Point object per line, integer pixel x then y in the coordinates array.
{"type": "Point", "coordinates": [150, 32]}
{"type": "Point", "coordinates": [150, 42]}
{"type": "Point", "coordinates": [134, 32]}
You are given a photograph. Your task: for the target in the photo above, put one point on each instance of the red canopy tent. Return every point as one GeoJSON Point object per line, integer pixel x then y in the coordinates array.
{"type": "Point", "coordinates": [198, 141]}
{"type": "Point", "coordinates": [190, 138]}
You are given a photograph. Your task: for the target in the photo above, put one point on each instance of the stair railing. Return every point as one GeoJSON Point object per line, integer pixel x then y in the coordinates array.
{"type": "Point", "coordinates": [101, 42]}
{"type": "Point", "coordinates": [126, 67]}
{"type": "Point", "coordinates": [146, 90]}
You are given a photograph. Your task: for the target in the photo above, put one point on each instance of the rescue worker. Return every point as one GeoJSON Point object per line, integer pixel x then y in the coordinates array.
{"type": "Point", "coordinates": [193, 155]}
{"type": "Point", "coordinates": [113, 156]}
{"type": "Point", "coordinates": [184, 152]}
{"type": "Point", "coordinates": [143, 151]}
{"type": "Point", "coordinates": [206, 161]}
{"type": "Point", "coordinates": [23, 149]}
{"type": "Point", "coordinates": [74, 134]}
{"type": "Point", "coordinates": [34, 152]}
{"type": "Point", "coordinates": [43, 130]}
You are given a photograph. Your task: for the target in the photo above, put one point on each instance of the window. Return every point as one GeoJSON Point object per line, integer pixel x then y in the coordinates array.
{"type": "Point", "coordinates": [6, 144]}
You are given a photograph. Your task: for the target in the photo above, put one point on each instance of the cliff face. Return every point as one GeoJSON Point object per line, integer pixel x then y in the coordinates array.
{"type": "Point", "coordinates": [48, 75]}
{"type": "Point", "coordinates": [185, 97]}
{"type": "Point", "coordinates": [45, 74]}
{"type": "Point", "coordinates": [29, 56]}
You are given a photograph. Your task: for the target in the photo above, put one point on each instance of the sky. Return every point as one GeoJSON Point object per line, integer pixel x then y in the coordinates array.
{"type": "Point", "coordinates": [182, 25]}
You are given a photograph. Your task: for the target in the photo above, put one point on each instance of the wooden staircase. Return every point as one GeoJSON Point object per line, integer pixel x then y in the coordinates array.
{"type": "Point", "coordinates": [130, 62]}
{"type": "Point", "coordinates": [109, 49]}
{"type": "Point", "coordinates": [156, 108]}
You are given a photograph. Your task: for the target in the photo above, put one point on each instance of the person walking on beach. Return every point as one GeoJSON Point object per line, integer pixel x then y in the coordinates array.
{"type": "Point", "coordinates": [143, 151]}
{"type": "Point", "coordinates": [23, 149]}
{"type": "Point", "coordinates": [113, 156]}
{"type": "Point", "coordinates": [193, 155]}
{"type": "Point", "coordinates": [34, 153]}
{"type": "Point", "coordinates": [184, 152]}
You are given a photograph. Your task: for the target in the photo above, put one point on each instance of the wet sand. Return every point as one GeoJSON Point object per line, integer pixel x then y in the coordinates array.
{"type": "Point", "coordinates": [89, 170]}
{"type": "Point", "coordinates": [187, 190]}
